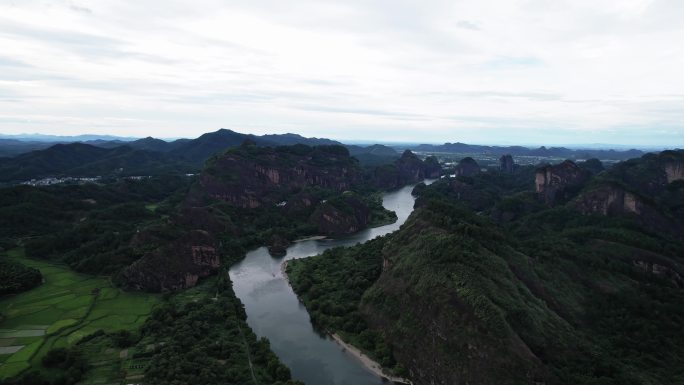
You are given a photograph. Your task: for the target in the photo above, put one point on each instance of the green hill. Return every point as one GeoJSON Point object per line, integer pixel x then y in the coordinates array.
{"type": "Point", "coordinates": [485, 284]}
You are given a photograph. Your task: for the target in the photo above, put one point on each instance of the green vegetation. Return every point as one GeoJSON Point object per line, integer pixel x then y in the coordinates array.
{"type": "Point", "coordinates": [66, 308]}
{"type": "Point", "coordinates": [331, 286]}
{"type": "Point", "coordinates": [484, 284]}
{"type": "Point", "coordinates": [84, 160]}
{"type": "Point", "coordinates": [85, 323]}
{"type": "Point", "coordinates": [88, 226]}
{"type": "Point", "coordinates": [15, 277]}
{"type": "Point", "coordinates": [379, 215]}
{"type": "Point", "coordinates": [202, 337]}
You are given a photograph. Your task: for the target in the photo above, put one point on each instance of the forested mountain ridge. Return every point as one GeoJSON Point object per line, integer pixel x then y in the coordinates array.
{"type": "Point", "coordinates": [84, 160]}
{"type": "Point", "coordinates": [150, 156]}
{"type": "Point", "coordinates": [543, 151]}
{"type": "Point", "coordinates": [21, 160]}
{"type": "Point", "coordinates": [251, 176]}
{"type": "Point", "coordinates": [252, 195]}
{"type": "Point", "coordinates": [502, 287]}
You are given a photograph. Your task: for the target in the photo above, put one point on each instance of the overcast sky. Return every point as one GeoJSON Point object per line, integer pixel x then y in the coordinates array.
{"type": "Point", "coordinates": [480, 71]}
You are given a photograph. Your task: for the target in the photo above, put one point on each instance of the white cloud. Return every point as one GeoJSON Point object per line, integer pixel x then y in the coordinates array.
{"type": "Point", "coordinates": [530, 71]}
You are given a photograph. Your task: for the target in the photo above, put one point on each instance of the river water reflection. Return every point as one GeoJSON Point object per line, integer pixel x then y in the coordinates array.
{"type": "Point", "coordinates": [274, 312]}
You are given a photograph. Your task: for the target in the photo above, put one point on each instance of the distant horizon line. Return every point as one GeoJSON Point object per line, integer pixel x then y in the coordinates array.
{"type": "Point", "coordinates": [593, 146]}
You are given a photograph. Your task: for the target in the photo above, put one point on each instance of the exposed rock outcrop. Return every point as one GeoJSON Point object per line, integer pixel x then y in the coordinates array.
{"type": "Point", "coordinates": [506, 164]}
{"type": "Point", "coordinates": [277, 245]}
{"type": "Point", "coordinates": [411, 168]}
{"type": "Point", "coordinates": [300, 201]}
{"type": "Point", "coordinates": [432, 168]}
{"type": "Point", "coordinates": [251, 176]}
{"type": "Point", "coordinates": [407, 169]}
{"type": "Point", "coordinates": [648, 190]}
{"type": "Point", "coordinates": [674, 171]}
{"type": "Point", "coordinates": [282, 181]}
{"type": "Point", "coordinates": [611, 199]}
{"type": "Point", "coordinates": [467, 167]}
{"type": "Point", "coordinates": [344, 215]}
{"type": "Point", "coordinates": [176, 265]}
{"type": "Point", "coordinates": [554, 184]}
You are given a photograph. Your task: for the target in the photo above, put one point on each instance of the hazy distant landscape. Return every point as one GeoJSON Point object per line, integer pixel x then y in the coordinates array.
{"type": "Point", "coordinates": [178, 217]}
{"type": "Point", "coordinates": [341, 193]}
{"type": "Point", "coordinates": [89, 156]}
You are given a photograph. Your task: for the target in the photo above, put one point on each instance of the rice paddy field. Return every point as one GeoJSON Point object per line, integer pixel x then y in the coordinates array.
{"type": "Point", "coordinates": [65, 308]}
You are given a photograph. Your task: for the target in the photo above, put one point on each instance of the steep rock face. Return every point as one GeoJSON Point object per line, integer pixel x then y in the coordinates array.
{"type": "Point", "coordinates": [674, 171]}
{"type": "Point", "coordinates": [648, 189]}
{"type": "Point", "coordinates": [277, 245]}
{"type": "Point", "coordinates": [301, 201]}
{"type": "Point", "coordinates": [251, 177]}
{"type": "Point", "coordinates": [467, 167]}
{"type": "Point", "coordinates": [506, 164]}
{"type": "Point", "coordinates": [406, 170]}
{"type": "Point", "coordinates": [341, 216]}
{"type": "Point", "coordinates": [432, 168]}
{"type": "Point", "coordinates": [613, 200]}
{"type": "Point", "coordinates": [176, 265]}
{"type": "Point", "coordinates": [411, 168]}
{"type": "Point", "coordinates": [556, 183]}
{"type": "Point", "coordinates": [610, 200]}
{"type": "Point", "coordinates": [176, 254]}
{"type": "Point", "coordinates": [283, 180]}
{"type": "Point", "coordinates": [651, 174]}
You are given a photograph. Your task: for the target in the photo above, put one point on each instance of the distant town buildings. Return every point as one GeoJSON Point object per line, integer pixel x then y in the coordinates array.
{"type": "Point", "coordinates": [52, 181]}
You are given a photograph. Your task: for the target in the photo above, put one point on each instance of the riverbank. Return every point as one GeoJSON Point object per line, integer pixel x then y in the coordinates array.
{"type": "Point", "coordinates": [311, 238]}
{"type": "Point", "coordinates": [368, 362]}
{"type": "Point", "coordinates": [283, 267]}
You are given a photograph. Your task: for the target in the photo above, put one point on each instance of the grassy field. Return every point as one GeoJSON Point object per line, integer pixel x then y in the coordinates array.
{"type": "Point", "coordinates": [65, 308]}
{"type": "Point", "coordinates": [152, 207]}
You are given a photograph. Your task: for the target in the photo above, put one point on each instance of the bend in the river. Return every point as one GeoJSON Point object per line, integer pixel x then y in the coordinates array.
{"type": "Point", "coordinates": [274, 311]}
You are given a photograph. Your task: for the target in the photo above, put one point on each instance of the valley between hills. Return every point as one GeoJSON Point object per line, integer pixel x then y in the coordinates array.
{"type": "Point", "coordinates": [122, 262]}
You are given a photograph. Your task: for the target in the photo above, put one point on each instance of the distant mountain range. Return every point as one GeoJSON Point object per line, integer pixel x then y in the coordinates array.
{"type": "Point", "coordinates": [557, 152]}
{"type": "Point", "coordinates": [38, 156]}
{"type": "Point", "coordinates": [147, 156]}
{"type": "Point", "coordinates": [65, 139]}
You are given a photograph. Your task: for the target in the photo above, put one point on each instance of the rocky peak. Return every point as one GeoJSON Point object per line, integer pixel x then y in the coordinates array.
{"type": "Point", "coordinates": [648, 190]}
{"type": "Point", "coordinates": [344, 215]}
{"type": "Point", "coordinates": [559, 182]}
{"type": "Point", "coordinates": [407, 169]}
{"type": "Point", "coordinates": [178, 264]}
{"type": "Point", "coordinates": [432, 168]}
{"type": "Point", "coordinates": [593, 165]}
{"type": "Point", "coordinates": [674, 171]}
{"type": "Point", "coordinates": [251, 176]}
{"type": "Point", "coordinates": [609, 200]}
{"type": "Point", "coordinates": [506, 163]}
{"type": "Point", "coordinates": [467, 167]}
{"type": "Point", "coordinates": [410, 167]}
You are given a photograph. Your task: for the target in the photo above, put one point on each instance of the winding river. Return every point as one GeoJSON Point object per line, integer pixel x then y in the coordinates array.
{"type": "Point", "coordinates": [274, 311]}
